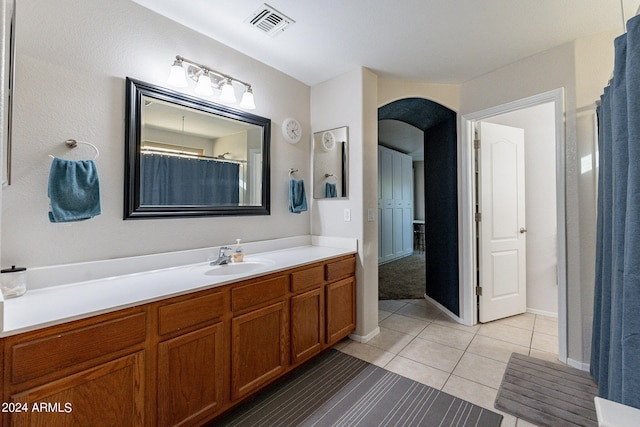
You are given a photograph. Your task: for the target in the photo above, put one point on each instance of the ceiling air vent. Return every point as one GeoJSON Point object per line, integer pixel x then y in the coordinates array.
{"type": "Point", "coordinates": [269, 20]}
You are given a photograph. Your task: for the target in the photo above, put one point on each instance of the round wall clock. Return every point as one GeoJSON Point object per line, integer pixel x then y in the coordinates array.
{"type": "Point", "coordinates": [328, 141]}
{"type": "Point", "coordinates": [291, 130]}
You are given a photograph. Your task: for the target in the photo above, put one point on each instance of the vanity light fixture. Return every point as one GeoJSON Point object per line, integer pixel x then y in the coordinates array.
{"type": "Point", "coordinates": [227, 93]}
{"type": "Point", "coordinates": [203, 87]}
{"type": "Point", "coordinates": [209, 79]}
{"type": "Point", "coordinates": [177, 77]}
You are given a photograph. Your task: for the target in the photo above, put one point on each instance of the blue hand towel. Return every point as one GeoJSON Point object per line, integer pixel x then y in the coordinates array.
{"type": "Point", "coordinates": [74, 190]}
{"type": "Point", "coordinates": [297, 196]}
{"type": "Point", "coordinates": [330, 190]}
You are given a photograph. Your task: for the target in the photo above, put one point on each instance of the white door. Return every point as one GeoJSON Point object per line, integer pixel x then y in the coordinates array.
{"type": "Point", "coordinates": [502, 226]}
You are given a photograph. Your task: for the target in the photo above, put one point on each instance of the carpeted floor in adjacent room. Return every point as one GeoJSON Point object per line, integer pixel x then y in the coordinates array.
{"type": "Point", "coordinates": [402, 279]}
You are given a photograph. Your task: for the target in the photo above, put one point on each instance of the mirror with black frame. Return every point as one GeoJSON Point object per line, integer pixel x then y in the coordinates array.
{"type": "Point", "coordinates": [186, 156]}
{"type": "Point", "coordinates": [330, 163]}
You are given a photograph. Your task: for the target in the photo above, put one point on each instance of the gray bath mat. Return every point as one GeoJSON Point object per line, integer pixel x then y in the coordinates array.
{"type": "Point", "coordinates": [547, 393]}
{"type": "Point", "coordinates": [336, 389]}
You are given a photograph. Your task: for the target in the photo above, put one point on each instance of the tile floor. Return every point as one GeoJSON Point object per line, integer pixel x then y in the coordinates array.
{"type": "Point", "coordinates": [420, 342]}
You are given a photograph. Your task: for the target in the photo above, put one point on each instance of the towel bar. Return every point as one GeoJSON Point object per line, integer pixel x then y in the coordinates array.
{"type": "Point", "coordinates": [72, 143]}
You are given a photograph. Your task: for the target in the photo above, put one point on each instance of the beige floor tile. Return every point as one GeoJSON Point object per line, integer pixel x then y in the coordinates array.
{"type": "Point", "coordinates": [382, 314]}
{"type": "Point", "coordinates": [507, 333]}
{"type": "Point", "coordinates": [432, 354]}
{"type": "Point", "coordinates": [390, 340]}
{"type": "Point", "coordinates": [342, 344]}
{"type": "Point", "coordinates": [418, 372]}
{"type": "Point", "coordinates": [480, 369]}
{"type": "Point", "coordinates": [471, 391]}
{"type": "Point", "coordinates": [407, 325]}
{"type": "Point", "coordinates": [368, 353]}
{"type": "Point", "coordinates": [424, 312]}
{"type": "Point", "coordinates": [411, 301]}
{"type": "Point", "coordinates": [390, 305]}
{"type": "Point", "coordinates": [544, 342]}
{"type": "Point", "coordinates": [452, 337]}
{"type": "Point", "coordinates": [546, 325]}
{"type": "Point", "coordinates": [445, 320]}
{"type": "Point", "coordinates": [550, 357]}
{"type": "Point", "coordinates": [523, 321]}
{"type": "Point", "coordinates": [495, 349]}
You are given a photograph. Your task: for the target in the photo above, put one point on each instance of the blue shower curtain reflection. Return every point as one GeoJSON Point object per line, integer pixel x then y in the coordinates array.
{"type": "Point", "coordinates": [178, 181]}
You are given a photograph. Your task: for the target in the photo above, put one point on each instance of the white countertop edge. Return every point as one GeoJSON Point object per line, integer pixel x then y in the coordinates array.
{"type": "Point", "coordinates": [52, 305]}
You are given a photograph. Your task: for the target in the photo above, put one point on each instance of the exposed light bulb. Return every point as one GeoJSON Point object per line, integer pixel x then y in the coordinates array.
{"type": "Point", "coordinates": [203, 87]}
{"type": "Point", "coordinates": [228, 94]}
{"type": "Point", "coordinates": [177, 76]}
{"type": "Point", "coordinates": [247, 101]}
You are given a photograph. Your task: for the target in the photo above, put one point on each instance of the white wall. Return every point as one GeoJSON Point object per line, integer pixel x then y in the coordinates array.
{"type": "Point", "coordinates": [349, 100]}
{"type": "Point", "coordinates": [540, 186]}
{"type": "Point", "coordinates": [72, 60]}
{"type": "Point", "coordinates": [580, 68]}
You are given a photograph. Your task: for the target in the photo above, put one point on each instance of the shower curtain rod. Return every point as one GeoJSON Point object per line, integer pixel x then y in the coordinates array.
{"type": "Point", "coordinates": [189, 156]}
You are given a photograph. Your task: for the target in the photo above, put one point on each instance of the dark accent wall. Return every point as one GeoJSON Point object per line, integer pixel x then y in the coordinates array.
{"type": "Point", "coordinates": [441, 193]}
{"type": "Point", "coordinates": [441, 212]}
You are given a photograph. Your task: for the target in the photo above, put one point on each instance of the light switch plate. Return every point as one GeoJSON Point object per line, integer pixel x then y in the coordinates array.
{"type": "Point", "coordinates": [347, 214]}
{"type": "Point", "coordinates": [371, 214]}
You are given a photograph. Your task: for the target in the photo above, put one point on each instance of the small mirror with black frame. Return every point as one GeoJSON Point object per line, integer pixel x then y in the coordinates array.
{"type": "Point", "coordinates": [330, 163]}
{"type": "Point", "coordinates": [186, 156]}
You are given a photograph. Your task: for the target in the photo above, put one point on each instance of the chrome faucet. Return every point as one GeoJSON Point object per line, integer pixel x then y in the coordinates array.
{"type": "Point", "coordinates": [224, 256]}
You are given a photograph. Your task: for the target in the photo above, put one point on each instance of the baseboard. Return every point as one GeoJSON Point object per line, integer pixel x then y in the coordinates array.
{"type": "Point", "coordinates": [365, 338]}
{"type": "Point", "coordinates": [542, 312]}
{"type": "Point", "coordinates": [578, 365]}
{"type": "Point", "coordinates": [445, 310]}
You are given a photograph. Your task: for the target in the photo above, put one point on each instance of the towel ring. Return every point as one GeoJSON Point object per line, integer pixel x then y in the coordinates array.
{"type": "Point", "coordinates": [72, 143]}
{"type": "Point", "coordinates": [292, 171]}
{"type": "Point", "coordinates": [329, 175]}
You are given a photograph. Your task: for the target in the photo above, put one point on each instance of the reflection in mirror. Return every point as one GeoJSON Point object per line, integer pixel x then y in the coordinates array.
{"type": "Point", "coordinates": [190, 157]}
{"type": "Point", "coordinates": [330, 163]}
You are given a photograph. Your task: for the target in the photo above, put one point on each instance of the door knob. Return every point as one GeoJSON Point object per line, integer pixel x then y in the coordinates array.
{"type": "Point", "coordinates": [523, 230]}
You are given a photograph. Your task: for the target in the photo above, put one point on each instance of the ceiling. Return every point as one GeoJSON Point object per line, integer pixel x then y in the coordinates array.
{"type": "Point", "coordinates": [435, 41]}
{"type": "Point", "coordinates": [432, 41]}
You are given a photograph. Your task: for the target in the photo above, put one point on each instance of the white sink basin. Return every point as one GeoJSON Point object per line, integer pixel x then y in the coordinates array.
{"type": "Point", "coordinates": [237, 268]}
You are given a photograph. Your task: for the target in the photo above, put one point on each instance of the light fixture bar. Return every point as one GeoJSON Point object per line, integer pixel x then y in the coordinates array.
{"type": "Point", "coordinates": [211, 70]}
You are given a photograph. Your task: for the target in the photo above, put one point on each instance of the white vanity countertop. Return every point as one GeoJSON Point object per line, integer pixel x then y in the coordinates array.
{"type": "Point", "coordinates": [46, 306]}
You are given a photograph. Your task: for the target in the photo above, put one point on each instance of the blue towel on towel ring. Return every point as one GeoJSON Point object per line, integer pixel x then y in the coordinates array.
{"type": "Point", "coordinates": [330, 190]}
{"type": "Point", "coordinates": [74, 190]}
{"type": "Point", "coordinates": [297, 196]}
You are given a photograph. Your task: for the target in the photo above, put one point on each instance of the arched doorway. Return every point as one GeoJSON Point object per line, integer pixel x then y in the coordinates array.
{"type": "Point", "coordinates": [437, 129]}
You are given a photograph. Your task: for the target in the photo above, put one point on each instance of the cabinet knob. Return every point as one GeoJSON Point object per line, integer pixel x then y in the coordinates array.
{"type": "Point", "coordinates": [523, 230]}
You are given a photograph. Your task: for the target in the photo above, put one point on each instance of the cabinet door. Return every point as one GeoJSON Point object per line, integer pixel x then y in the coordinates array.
{"type": "Point", "coordinates": [307, 324]}
{"type": "Point", "coordinates": [111, 394]}
{"type": "Point", "coordinates": [190, 376]}
{"type": "Point", "coordinates": [341, 309]}
{"type": "Point", "coordinates": [258, 349]}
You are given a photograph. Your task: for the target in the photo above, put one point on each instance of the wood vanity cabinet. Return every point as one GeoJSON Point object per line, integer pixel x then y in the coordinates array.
{"type": "Point", "coordinates": [307, 313]}
{"type": "Point", "coordinates": [192, 369]}
{"type": "Point", "coordinates": [180, 361]}
{"type": "Point", "coordinates": [259, 338]}
{"type": "Point", "coordinates": [87, 372]}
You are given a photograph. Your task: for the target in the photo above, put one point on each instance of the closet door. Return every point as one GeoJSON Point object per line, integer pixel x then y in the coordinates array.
{"type": "Point", "coordinates": [407, 205]}
{"type": "Point", "coordinates": [395, 204]}
{"type": "Point", "coordinates": [385, 205]}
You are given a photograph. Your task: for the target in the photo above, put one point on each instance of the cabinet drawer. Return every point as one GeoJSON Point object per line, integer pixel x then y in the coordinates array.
{"type": "Point", "coordinates": [58, 351]}
{"type": "Point", "coordinates": [307, 278]}
{"type": "Point", "coordinates": [340, 269]}
{"type": "Point", "coordinates": [257, 293]}
{"type": "Point", "coordinates": [185, 314]}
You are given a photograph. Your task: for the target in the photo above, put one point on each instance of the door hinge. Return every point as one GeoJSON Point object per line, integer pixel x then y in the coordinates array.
{"type": "Point", "coordinates": [479, 290]}
{"type": "Point", "coordinates": [476, 144]}
{"type": "Point", "coordinates": [478, 217]}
